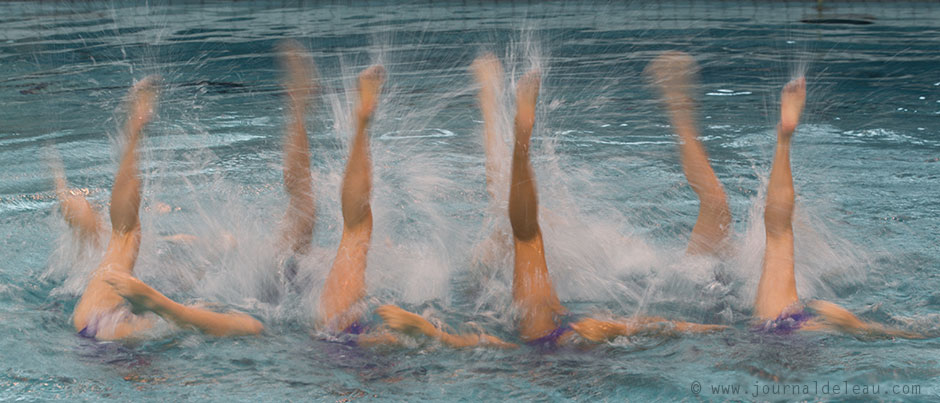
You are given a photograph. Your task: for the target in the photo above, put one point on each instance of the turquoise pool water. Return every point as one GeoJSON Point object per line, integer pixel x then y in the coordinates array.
{"type": "Point", "coordinates": [618, 209]}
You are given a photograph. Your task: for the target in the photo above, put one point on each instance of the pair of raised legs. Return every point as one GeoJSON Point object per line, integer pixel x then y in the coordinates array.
{"type": "Point", "coordinates": [101, 311]}
{"type": "Point", "coordinates": [345, 284]}
{"type": "Point", "coordinates": [674, 75]}
{"type": "Point", "coordinates": [340, 307]}
{"type": "Point", "coordinates": [540, 312]}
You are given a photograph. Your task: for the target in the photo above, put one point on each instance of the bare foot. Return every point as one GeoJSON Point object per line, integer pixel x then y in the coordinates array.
{"type": "Point", "coordinates": [792, 99]}
{"type": "Point", "coordinates": [370, 85]}
{"type": "Point", "coordinates": [300, 69]}
{"type": "Point", "coordinates": [136, 292]}
{"type": "Point", "coordinates": [141, 102]}
{"type": "Point", "coordinates": [527, 95]}
{"type": "Point", "coordinates": [673, 73]}
{"type": "Point", "coordinates": [488, 71]}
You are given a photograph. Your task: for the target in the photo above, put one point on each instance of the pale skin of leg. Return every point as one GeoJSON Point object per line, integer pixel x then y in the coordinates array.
{"type": "Point", "coordinates": [300, 217]}
{"type": "Point", "coordinates": [346, 283]}
{"type": "Point", "coordinates": [84, 220]}
{"type": "Point", "coordinates": [533, 292]}
{"type": "Point", "coordinates": [777, 287]}
{"type": "Point", "coordinates": [673, 73]}
{"type": "Point", "coordinates": [81, 217]}
{"type": "Point", "coordinates": [112, 282]}
{"type": "Point", "coordinates": [488, 73]}
{"type": "Point", "coordinates": [776, 290]}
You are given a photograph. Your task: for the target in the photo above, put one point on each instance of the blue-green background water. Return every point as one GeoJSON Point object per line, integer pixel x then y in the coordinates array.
{"type": "Point", "coordinates": [617, 208]}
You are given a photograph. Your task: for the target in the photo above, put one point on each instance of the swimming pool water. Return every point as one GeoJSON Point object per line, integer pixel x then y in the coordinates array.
{"type": "Point", "coordinates": [618, 208]}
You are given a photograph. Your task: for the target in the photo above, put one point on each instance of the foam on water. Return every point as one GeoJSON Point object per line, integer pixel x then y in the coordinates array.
{"type": "Point", "coordinates": [616, 210]}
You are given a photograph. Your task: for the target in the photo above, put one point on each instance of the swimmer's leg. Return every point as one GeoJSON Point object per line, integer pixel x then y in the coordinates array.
{"type": "Point", "coordinates": [532, 289]}
{"type": "Point", "coordinates": [412, 324]}
{"type": "Point", "coordinates": [345, 284]}
{"type": "Point", "coordinates": [124, 244]}
{"type": "Point", "coordinates": [301, 215]}
{"type": "Point", "coordinates": [125, 194]}
{"type": "Point", "coordinates": [81, 217]}
{"type": "Point", "coordinates": [489, 74]}
{"type": "Point", "coordinates": [674, 74]}
{"type": "Point", "coordinates": [595, 330]}
{"type": "Point", "coordinates": [143, 298]}
{"type": "Point", "coordinates": [777, 287]}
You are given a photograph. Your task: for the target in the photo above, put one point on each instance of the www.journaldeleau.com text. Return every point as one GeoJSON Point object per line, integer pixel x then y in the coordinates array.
{"type": "Point", "coordinates": [827, 388]}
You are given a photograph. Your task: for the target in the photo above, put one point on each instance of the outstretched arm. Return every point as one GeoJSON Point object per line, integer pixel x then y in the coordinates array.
{"type": "Point", "coordinates": [298, 181]}
{"type": "Point", "coordinates": [414, 325]}
{"type": "Point", "coordinates": [832, 316]}
{"type": "Point", "coordinates": [143, 298]}
{"type": "Point", "coordinates": [605, 330]}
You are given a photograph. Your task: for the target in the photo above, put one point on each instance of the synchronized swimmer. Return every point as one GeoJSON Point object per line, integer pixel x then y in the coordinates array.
{"type": "Point", "coordinates": [114, 304]}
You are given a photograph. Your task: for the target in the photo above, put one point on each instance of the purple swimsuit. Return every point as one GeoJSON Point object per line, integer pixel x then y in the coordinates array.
{"type": "Point", "coordinates": [549, 341]}
{"type": "Point", "coordinates": [103, 320]}
{"type": "Point", "coordinates": [788, 321]}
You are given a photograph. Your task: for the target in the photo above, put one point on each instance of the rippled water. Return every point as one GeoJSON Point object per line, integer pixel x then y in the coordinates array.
{"type": "Point", "coordinates": [617, 208]}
